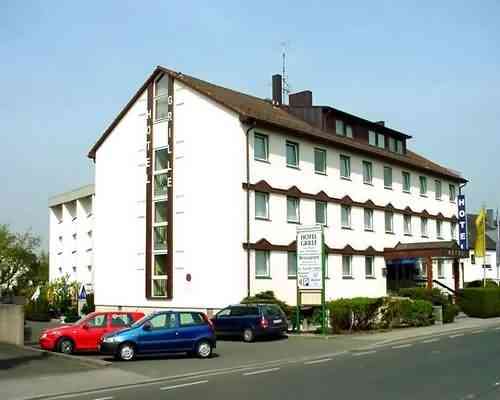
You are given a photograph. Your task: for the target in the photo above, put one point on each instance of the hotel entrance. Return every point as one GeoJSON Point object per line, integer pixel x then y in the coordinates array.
{"type": "Point", "coordinates": [402, 273]}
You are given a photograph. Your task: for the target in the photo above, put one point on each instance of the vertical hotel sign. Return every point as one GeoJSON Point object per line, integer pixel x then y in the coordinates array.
{"type": "Point", "coordinates": [462, 222]}
{"type": "Point", "coordinates": [151, 183]}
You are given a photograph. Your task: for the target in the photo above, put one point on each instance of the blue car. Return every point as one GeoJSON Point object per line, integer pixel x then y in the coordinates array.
{"type": "Point", "coordinates": [162, 332]}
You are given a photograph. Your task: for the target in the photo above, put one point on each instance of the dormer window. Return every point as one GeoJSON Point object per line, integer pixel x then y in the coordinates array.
{"type": "Point", "coordinates": [381, 141]}
{"type": "Point", "coordinates": [392, 144]}
{"type": "Point", "coordinates": [399, 147]}
{"type": "Point", "coordinates": [372, 138]}
{"type": "Point", "coordinates": [343, 129]}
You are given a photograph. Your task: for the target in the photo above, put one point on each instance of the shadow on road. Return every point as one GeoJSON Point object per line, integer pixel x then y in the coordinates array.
{"type": "Point", "coordinates": [14, 362]}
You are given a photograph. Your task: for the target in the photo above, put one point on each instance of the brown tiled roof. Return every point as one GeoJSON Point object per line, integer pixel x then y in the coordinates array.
{"type": "Point", "coordinates": [440, 244]}
{"type": "Point", "coordinates": [253, 108]}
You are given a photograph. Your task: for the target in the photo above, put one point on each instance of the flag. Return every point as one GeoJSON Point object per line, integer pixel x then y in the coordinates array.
{"type": "Point", "coordinates": [36, 295]}
{"type": "Point", "coordinates": [479, 245]}
{"type": "Point", "coordinates": [498, 240]}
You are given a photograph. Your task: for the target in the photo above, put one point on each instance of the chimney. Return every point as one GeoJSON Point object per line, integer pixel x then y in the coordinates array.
{"type": "Point", "coordinates": [381, 123]}
{"type": "Point", "coordinates": [301, 99]}
{"type": "Point", "coordinates": [277, 90]}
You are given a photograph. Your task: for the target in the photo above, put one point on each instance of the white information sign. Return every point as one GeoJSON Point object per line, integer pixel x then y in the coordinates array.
{"type": "Point", "coordinates": [309, 257]}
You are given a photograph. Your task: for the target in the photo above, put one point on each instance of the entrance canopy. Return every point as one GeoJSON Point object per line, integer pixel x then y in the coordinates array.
{"type": "Point", "coordinates": [439, 249]}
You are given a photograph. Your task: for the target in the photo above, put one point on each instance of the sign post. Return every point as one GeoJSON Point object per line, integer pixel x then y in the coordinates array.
{"type": "Point", "coordinates": [311, 270]}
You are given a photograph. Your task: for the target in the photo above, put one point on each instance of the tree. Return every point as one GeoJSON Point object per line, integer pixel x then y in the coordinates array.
{"type": "Point", "coordinates": [18, 259]}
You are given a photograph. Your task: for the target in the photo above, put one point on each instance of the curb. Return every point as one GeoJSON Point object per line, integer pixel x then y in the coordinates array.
{"type": "Point", "coordinates": [81, 359]}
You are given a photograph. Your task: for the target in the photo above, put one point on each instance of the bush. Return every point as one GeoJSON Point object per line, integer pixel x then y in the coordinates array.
{"type": "Point", "coordinates": [435, 295]}
{"type": "Point", "coordinates": [89, 305]}
{"type": "Point", "coordinates": [268, 297]}
{"type": "Point", "coordinates": [402, 312]}
{"type": "Point", "coordinates": [71, 315]}
{"type": "Point", "coordinates": [479, 284]}
{"type": "Point", "coordinates": [38, 310]}
{"type": "Point", "coordinates": [480, 302]}
{"type": "Point", "coordinates": [450, 311]}
{"type": "Point", "coordinates": [358, 313]}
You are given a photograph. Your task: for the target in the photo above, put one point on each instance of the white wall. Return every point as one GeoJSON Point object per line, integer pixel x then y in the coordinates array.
{"type": "Point", "coordinates": [208, 200]}
{"type": "Point", "coordinates": [473, 272]}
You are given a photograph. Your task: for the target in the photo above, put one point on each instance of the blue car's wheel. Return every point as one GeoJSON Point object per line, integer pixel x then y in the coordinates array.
{"type": "Point", "coordinates": [126, 352]}
{"type": "Point", "coordinates": [204, 349]}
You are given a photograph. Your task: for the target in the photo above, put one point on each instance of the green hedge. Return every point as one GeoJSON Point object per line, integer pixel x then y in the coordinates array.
{"type": "Point", "coordinates": [480, 302]}
{"type": "Point", "coordinates": [490, 283]}
{"type": "Point", "coordinates": [450, 311]}
{"type": "Point", "coordinates": [403, 312]}
{"type": "Point", "coordinates": [435, 295]}
{"type": "Point", "coordinates": [358, 313]}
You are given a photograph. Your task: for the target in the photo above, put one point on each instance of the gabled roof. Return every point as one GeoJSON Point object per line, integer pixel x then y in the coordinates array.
{"type": "Point", "coordinates": [254, 109]}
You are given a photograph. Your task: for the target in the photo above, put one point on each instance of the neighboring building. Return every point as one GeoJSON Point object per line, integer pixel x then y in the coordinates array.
{"type": "Point", "coordinates": [200, 189]}
{"type": "Point", "coordinates": [71, 230]}
{"type": "Point", "coordinates": [473, 266]}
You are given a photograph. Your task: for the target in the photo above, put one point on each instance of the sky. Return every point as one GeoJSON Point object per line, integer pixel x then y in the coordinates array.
{"type": "Point", "coordinates": [429, 69]}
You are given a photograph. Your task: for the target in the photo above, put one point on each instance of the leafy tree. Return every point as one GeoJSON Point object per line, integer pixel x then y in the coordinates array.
{"type": "Point", "coordinates": [17, 258]}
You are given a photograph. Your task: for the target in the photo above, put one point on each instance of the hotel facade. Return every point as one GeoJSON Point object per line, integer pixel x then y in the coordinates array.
{"type": "Point", "coordinates": [200, 189]}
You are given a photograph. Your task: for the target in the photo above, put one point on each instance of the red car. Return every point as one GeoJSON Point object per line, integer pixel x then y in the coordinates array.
{"type": "Point", "coordinates": [85, 334]}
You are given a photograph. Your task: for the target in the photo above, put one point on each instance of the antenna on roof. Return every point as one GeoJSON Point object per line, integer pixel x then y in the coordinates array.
{"type": "Point", "coordinates": [284, 77]}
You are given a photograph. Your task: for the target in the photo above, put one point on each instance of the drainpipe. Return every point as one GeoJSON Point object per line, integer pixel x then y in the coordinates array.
{"type": "Point", "coordinates": [252, 126]}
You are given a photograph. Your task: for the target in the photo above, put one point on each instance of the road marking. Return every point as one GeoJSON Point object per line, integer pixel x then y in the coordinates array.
{"type": "Point", "coordinates": [457, 335]}
{"type": "Point", "coordinates": [364, 353]}
{"type": "Point", "coordinates": [475, 332]}
{"type": "Point", "coordinates": [183, 385]}
{"type": "Point", "coordinates": [317, 361]}
{"type": "Point", "coordinates": [262, 371]}
{"type": "Point", "coordinates": [497, 329]}
{"type": "Point", "coordinates": [402, 346]}
{"type": "Point", "coordinates": [430, 341]}
{"type": "Point", "coordinates": [104, 398]}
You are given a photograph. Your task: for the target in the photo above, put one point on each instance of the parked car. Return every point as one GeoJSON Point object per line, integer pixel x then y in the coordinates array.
{"type": "Point", "coordinates": [250, 321]}
{"type": "Point", "coordinates": [163, 332]}
{"type": "Point", "coordinates": [84, 335]}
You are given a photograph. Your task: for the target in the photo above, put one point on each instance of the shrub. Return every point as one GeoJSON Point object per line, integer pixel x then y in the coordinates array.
{"type": "Point", "coordinates": [480, 302]}
{"type": "Point", "coordinates": [358, 313]}
{"type": "Point", "coordinates": [435, 295]}
{"type": "Point", "coordinates": [450, 311]}
{"type": "Point", "coordinates": [403, 312]}
{"type": "Point", "coordinates": [38, 310]}
{"type": "Point", "coordinates": [268, 297]}
{"type": "Point", "coordinates": [89, 305]}
{"type": "Point", "coordinates": [71, 315]}
{"type": "Point", "coordinates": [479, 284]}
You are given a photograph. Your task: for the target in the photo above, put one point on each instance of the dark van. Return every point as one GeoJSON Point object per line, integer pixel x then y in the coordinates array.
{"type": "Point", "coordinates": [250, 321]}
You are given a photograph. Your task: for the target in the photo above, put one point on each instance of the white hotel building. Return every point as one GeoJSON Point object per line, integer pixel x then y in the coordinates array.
{"type": "Point", "coordinates": [71, 229]}
{"type": "Point", "coordinates": [200, 189]}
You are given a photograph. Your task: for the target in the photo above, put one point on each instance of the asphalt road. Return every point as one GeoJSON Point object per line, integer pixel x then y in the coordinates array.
{"type": "Point", "coordinates": [453, 366]}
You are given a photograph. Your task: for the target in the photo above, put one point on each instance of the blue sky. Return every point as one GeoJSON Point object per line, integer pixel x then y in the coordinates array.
{"type": "Point", "coordinates": [67, 68]}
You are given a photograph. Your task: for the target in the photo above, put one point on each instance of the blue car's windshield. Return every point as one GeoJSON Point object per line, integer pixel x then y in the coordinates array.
{"type": "Point", "coordinates": [140, 321]}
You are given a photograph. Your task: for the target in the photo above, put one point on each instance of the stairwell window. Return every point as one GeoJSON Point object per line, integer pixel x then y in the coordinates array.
{"type": "Point", "coordinates": [345, 167]}
{"type": "Point", "coordinates": [159, 276]}
{"type": "Point", "coordinates": [292, 154]}
{"type": "Point", "coordinates": [262, 267]}
{"type": "Point", "coordinates": [261, 147]}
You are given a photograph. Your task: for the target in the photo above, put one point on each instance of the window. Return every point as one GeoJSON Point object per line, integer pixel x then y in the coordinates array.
{"type": "Point", "coordinates": [262, 264]}
{"type": "Point", "coordinates": [160, 237]}
{"type": "Point", "coordinates": [348, 131]}
{"type": "Point", "coordinates": [339, 127]}
{"type": "Point", "coordinates": [163, 321]}
{"type": "Point", "coordinates": [453, 193]}
{"type": "Point", "coordinates": [439, 233]}
{"type": "Point", "coordinates": [367, 172]}
{"type": "Point", "coordinates": [99, 321]}
{"type": "Point", "coordinates": [392, 144]}
{"type": "Point", "coordinates": [440, 269]}
{"type": "Point", "coordinates": [120, 320]}
{"type": "Point", "coordinates": [161, 98]}
{"type": "Point", "coordinates": [423, 226]}
{"type": "Point", "coordinates": [399, 146]}
{"type": "Point", "coordinates": [423, 186]}
{"type": "Point", "coordinates": [161, 183]}
{"type": "Point", "coordinates": [190, 318]}
{"type": "Point", "coordinates": [368, 217]}
{"type": "Point", "coordinates": [320, 161]}
{"type": "Point", "coordinates": [407, 224]}
{"type": "Point", "coordinates": [261, 205]}
{"type": "Point", "coordinates": [345, 167]}
{"type": "Point", "coordinates": [321, 216]}
{"type": "Point", "coordinates": [292, 210]}
{"type": "Point", "coordinates": [389, 222]}
{"type": "Point", "coordinates": [369, 270]}
{"type": "Point", "coordinates": [406, 182]}
{"type": "Point", "coordinates": [159, 276]}
{"type": "Point", "coordinates": [160, 212]}
{"type": "Point", "coordinates": [437, 185]}
{"type": "Point", "coordinates": [381, 141]}
{"type": "Point", "coordinates": [161, 160]}
{"type": "Point", "coordinates": [345, 216]}
{"type": "Point", "coordinates": [292, 264]}
{"type": "Point", "coordinates": [261, 147]}
{"type": "Point", "coordinates": [388, 177]}
{"type": "Point", "coordinates": [372, 138]}
{"type": "Point", "coordinates": [347, 266]}
{"type": "Point", "coordinates": [453, 227]}
{"type": "Point", "coordinates": [292, 154]}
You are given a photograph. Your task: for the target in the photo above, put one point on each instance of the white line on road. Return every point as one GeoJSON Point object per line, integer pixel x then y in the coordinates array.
{"type": "Point", "coordinates": [457, 335]}
{"type": "Point", "coordinates": [183, 385]}
{"type": "Point", "coordinates": [364, 353]}
{"type": "Point", "coordinates": [497, 328]}
{"type": "Point", "coordinates": [402, 346]}
{"type": "Point", "coordinates": [475, 332]}
{"type": "Point", "coordinates": [430, 341]}
{"type": "Point", "coordinates": [104, 398]}
{"type": "Point", "coordinates": [317, 361]}
{"type": "Point", "coordinates": [262, 371]}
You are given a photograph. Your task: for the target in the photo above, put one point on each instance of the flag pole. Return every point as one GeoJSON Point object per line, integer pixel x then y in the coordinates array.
{"type": "Point", "coordinates": [484, 250]}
